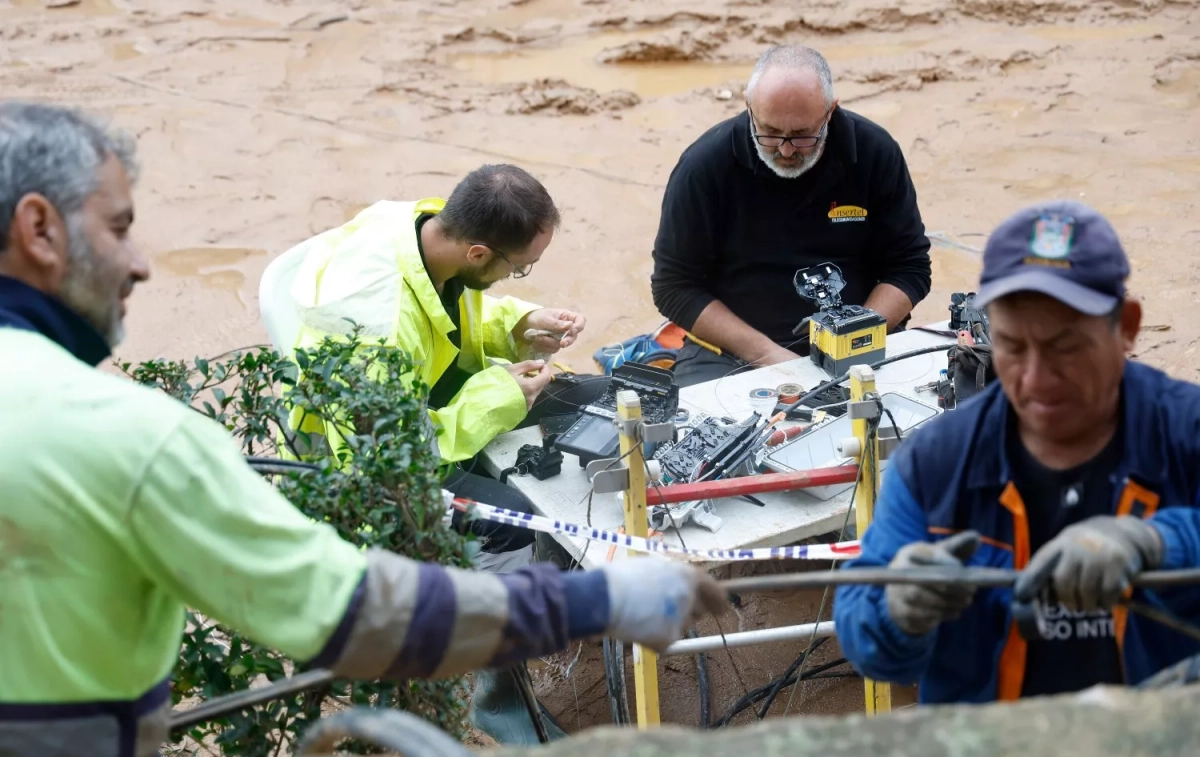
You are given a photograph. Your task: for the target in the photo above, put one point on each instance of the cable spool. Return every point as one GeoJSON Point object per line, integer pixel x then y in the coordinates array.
{"type": "Point", "coordinates": [789, 393]}
{"type": "Point", "coordinates": [763, 400]}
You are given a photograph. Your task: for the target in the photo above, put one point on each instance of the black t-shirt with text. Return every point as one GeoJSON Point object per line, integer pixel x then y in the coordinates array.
{"type": "Point", "coordinates": [1077, 649]}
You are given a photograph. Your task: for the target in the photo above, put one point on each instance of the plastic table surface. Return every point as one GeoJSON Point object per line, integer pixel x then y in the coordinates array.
{"type": "Point", "coordinates": [786, 517]}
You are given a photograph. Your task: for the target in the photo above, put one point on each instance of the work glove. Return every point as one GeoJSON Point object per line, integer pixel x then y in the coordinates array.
{"type": "Point", "coordinates": [653, 601]}
{"type": "Point", "coordinates": [1096, 559]}
{"type": "Point", "coordinates": [918, 609]}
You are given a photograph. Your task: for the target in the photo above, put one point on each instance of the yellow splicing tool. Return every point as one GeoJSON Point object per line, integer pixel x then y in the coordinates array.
{"type": "Point", "coordinates": [839, 335]}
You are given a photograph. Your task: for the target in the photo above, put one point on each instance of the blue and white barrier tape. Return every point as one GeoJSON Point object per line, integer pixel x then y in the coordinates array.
{"type": "Point", "coordinates": [842, 551]}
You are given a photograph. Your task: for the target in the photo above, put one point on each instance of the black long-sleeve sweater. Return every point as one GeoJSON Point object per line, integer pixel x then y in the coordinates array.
{"type": "Point", "coordinates": [731, 230]}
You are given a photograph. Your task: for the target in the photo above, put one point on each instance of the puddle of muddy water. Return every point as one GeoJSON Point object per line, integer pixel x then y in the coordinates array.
{"type": "Point", "coordinates": [213, 267]}
{"type": "Point", "coordinates": [578, 62]}
{"type": "Point", "coordinates": [123, 51]}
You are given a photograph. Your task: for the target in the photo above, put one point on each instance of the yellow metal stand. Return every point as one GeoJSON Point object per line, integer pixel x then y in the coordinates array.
{"type": "Point", "coordinates": [637, 523]}
{"type": "Point", "coordinates": [862, 382]}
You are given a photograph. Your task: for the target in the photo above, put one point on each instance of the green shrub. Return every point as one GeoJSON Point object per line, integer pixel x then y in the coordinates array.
{"type": "Point", "coordinates": [386, 493]}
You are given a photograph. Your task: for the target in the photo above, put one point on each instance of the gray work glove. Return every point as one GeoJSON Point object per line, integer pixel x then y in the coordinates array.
{"type": "Point", "coordinates": [1096, 559]}
{"type": "Point", "coordinates": [918, 609]}
{"type": "Point", "coordinates": [653, 601]}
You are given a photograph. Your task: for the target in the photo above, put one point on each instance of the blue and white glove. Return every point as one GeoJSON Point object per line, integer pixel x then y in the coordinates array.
{"type": "Point", "coordinates": [653, 601]}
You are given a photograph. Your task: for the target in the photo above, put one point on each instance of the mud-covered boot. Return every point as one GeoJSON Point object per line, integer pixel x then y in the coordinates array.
{"type": "Point", "coordinates": [498, 710]}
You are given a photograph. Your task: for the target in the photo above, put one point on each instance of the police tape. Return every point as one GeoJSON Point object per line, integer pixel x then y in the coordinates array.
{"type": "Point", "coordinates": [841, 551]}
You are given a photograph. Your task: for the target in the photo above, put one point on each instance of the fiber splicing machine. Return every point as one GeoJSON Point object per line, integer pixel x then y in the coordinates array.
{"type": "Point", "coordinates": [839, 336]}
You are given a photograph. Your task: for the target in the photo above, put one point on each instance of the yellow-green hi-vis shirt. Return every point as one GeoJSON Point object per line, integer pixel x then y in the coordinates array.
{"type": "Point", "coordinates": [120, 508]}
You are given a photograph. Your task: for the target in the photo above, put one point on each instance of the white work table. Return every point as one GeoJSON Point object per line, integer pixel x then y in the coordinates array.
{"type": "Point", "coordinates": [786, 518]}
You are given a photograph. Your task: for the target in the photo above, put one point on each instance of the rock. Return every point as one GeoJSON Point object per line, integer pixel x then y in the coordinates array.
{"type": "Point", "coordinates": [1099, 722]}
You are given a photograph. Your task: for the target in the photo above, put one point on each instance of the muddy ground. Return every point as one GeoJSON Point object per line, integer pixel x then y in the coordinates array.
{"type": "Point", "coordinates": [262, 123]}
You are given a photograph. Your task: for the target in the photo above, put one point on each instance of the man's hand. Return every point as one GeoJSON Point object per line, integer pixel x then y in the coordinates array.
{"type": "Point", "coordinates": [1097, 558]}
{"type": "Point", "coordinates": [918, 609]}
{"type": "Point", "coordinates": [532, 376]}
{"type": "Point", "coordinates": [653, 601]}
{"type": "Point", "coordinates": [565, 323]}
{"type": "Point", "coordinates": [776, 356]}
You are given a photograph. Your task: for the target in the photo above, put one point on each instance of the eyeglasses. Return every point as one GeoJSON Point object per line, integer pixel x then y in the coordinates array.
{"type": "Point", "coordinates": [804, 141]}
{"type": "Point", "coordinates": [519, 271]}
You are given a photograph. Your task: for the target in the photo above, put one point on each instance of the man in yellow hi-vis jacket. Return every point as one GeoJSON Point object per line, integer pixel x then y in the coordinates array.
{"type": "Point", "coordinates": [414, 273]}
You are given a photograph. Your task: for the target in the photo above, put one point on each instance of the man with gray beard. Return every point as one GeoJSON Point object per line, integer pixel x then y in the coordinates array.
{"type": "Point", "coordinates": [792, 182]}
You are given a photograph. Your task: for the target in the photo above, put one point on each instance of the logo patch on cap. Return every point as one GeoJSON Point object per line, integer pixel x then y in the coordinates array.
{"type": "Point", "coordinates": [1051, 240]}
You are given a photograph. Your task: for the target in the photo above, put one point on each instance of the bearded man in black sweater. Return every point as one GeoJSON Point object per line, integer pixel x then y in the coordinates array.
{"type": "Point", "coordinates": [792, 182]}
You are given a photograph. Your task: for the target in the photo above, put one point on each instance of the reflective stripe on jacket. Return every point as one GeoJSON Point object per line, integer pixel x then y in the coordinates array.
{"type": "Point", "coordinates": [108, 728]}
{"type": "Point", "coordinates": [953, 475]}
{"type": "Point", "coordinates": [370, 271]}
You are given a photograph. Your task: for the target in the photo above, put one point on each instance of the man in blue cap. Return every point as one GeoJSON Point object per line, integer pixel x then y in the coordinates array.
{"type": "Point", "coordinates": [1076, 460]}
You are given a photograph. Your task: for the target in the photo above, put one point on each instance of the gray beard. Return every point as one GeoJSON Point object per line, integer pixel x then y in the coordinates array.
{"type": "Point", "coordinates": [767, 156]}
{"type": "Point", "coordinates": [80, 287]}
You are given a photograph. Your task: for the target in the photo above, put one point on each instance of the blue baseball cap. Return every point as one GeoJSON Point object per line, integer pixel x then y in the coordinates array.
{"type": "Point", "coordinates": [1062, 249]}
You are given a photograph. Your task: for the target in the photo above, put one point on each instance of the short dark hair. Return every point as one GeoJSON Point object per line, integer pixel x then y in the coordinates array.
{"type": "Point", "coordinates": [500, 205]}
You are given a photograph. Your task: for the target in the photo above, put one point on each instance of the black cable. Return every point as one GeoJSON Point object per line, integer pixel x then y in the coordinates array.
{"type": "Point", "coordinates": [524, 684]}
{"type": "Point", "coordinates": [770, 698]}
{"type": "Point", "coordinates": [702, 680]}
{"type": "Point", "coordinates": [748, 452]}
{"type": "Point", "coordinates": [549, 717]}
{"type": "Point", "coordinates": [613, 653]}
{"type": "Point", "coordinates": [886, 361]}
{"type": "Point", "coordinates": [275, 465]}
{"type": "Point", "coordinates": [762, 691]}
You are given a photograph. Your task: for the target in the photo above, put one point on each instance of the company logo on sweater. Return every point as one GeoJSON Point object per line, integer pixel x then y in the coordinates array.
{"type": "Point", "coordinates": [1057, 623]}
{"type": "Point", "coordinates": [844, 213]}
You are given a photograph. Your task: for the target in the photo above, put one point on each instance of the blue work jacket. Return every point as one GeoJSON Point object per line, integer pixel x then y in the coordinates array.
{"type": "Point", "coordinates": [954, 475]}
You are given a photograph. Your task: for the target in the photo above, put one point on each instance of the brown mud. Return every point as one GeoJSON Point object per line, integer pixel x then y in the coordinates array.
{"type": "Point", "coordinates": [263, 123]}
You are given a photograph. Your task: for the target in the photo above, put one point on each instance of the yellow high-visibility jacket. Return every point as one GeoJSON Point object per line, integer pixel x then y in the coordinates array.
{"type": "Point", "coordinates": [370, 271]}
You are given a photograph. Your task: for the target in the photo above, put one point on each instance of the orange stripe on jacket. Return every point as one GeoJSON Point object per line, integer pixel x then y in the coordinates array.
{"type": "Point", "coordinates": [985, 539]}
{"type": "Point", "coordinates": [1138, 501]}
{"type": "Point", "coordinates": [1011, 675]}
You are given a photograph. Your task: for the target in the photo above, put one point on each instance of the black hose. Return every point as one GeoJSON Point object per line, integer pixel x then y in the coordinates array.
{"type": "Point", "coordinates": [887, 360]}
{"type": "Point", "coordinates": [702, 680]}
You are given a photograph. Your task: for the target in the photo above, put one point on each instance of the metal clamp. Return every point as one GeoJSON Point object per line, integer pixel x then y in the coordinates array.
{"type": "Point", "coordinates": [888, 439]}
{"type": "Point", "coordinates": [627, 427]}
{"type": "Point", "coordinates": [608, 475]}
{"type": "Point", "coordinates": [865, 410]}
{"type": "Point", "coordinates": [658, 432]}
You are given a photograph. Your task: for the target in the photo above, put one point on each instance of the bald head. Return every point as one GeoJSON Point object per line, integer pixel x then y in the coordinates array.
{"type": "Point", "coordinates": [793, 70]}
{"type": "Point", "coordinates": [790, 90]}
